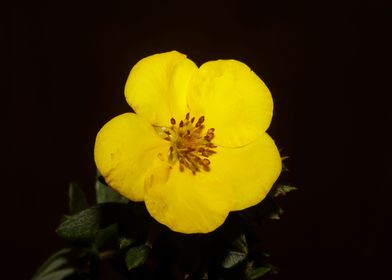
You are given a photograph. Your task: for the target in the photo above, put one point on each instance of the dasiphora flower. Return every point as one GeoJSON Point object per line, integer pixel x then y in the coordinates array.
{"type": "Point", "coordinates": [196, 148]}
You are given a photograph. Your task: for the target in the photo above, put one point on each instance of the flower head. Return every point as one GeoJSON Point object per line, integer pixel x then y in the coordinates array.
{"type": "Point", "coordinates": [196, 148]}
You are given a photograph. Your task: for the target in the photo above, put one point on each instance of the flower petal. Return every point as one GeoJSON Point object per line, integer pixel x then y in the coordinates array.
{"type": "Point", "coordinates": [189, 203]}
{"type": "Point", "coordinates": [250, 170]}
{"type": "Point", "coordinates": [125, 149]}
{"type": "Point", "coordinates": [157, 87]}
{"type": "Point", "coordinates": [234, 101]}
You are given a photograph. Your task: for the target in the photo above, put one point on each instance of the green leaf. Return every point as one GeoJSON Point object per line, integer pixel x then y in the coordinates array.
{"type": "Point", "coordinates": [268, 208]}
{"type": "Point", "coordinates": [264, 254]}
{"type": "Point", "coordinates": [57, 275]}
{"type": "Point", "coordinates": [125, 242]}
{"type": "Point", "coordinates": [136, 256]}
{"type": "Point", "coordinates": [233, 258]}
{"type": "Point", "coordinates": [237, 254]}
{"type": "Point", "coordinates": [104, 193]}
{"type": "Point", "coordinates": [54, 262]}
{"type": "Point", "coordinates": [77, 199]}
{"type": "Point", "coordinates": [240, 244]}
{"type": "Point", "coordinates": [257, 272]}
{"type": "Point", "coordinates": [84, 225]}
{"type": "Point", "coordinates": [281, 189]}
{"type": "Point", "coordinates": [284, 166]}
{"type": "Point", "coordinates": [276, 213]}
{"type": "Point", "coordinates": [105, 235]}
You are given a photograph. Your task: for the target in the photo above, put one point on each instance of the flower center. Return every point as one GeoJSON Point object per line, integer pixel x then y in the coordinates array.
{"type": "Point", "coordinates": [188, 144]}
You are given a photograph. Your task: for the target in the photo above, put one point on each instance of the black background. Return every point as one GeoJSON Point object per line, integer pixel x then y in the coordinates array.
{"type": "Point", "coordinates": [66, 64]}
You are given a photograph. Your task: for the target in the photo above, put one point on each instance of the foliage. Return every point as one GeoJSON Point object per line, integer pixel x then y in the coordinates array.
{"type": "Point", "coordinates": [122, 233]}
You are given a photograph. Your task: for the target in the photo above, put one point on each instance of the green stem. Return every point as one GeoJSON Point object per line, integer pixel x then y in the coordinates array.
{"type": "Point", "coordinates": [106, 255]}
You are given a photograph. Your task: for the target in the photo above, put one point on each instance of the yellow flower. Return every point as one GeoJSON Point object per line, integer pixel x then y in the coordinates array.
{"type": "Point", "coordinates": [196, 148]}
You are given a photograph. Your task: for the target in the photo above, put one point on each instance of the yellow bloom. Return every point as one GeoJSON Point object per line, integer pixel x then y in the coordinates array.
{"type": "Point", "coordinates": [196, 148]}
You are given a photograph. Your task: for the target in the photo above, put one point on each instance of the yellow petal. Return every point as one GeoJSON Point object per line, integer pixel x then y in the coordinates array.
{"type": "Point", "coordinates": [157, 87]}
{"type": "Point", "coordinates": [125, 149]}
{"type": "Point", "coordinates": [234, 101]}
{"type": "Point", "coordinates": [189, 203]}
{"type": "Point", "coordinates": [250, 170]}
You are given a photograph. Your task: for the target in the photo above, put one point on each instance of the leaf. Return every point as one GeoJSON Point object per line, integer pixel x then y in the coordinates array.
{"type": "Point", "coordinates": [268, 208]}
{"type": "Point", "coordinates": [125, 242]}
{"type": "Point", "coordinates": [284, 166]}
{"type": "Point", "coordinates": [233, 258]}
{"type": "Point", "coordinates": [276, 213]}
{"type": "Point", "coordinates": [104, 193]}
{"type": "Point", "coordinates": [264, 254]}
{"type": "Point", "coordinates": [105, 235]}
{"type": "Point", "coordinates": [84, 225]}
{"type": "Point", "coordinates": [77, 199]}
{"type": "Point", "coordinates": [134, 223]}
{"type": "Point", "coordinates": [54, 262]}
{"type": "Point", "coordinates": [237, 254]}
{"type": "Point", "coordinates": [240, 244]}
{"type": "Point", "coordinates": [57, 275]}
{"type": "Point", "coordinates": [136, 256]}
{"type": "Point", "coordinates": [257, 272]}
{"type": "Point", "coordinates": [281, 189]}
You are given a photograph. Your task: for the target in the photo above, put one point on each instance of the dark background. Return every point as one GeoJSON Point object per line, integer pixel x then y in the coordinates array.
{"type": "Point", "coordinates": [66, 64]}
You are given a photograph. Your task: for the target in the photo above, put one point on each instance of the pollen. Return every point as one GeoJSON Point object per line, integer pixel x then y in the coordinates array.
{"type": "Point", "coordinates": [191, 143]}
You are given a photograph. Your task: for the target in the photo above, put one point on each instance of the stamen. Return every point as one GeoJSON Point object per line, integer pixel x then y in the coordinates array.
{"type": "Point", "coordinates": [210, 134]}
{"type": "Point", "coordinates": [210, 145]}
{"type": "Point", "coordinates": [171, 154]}
{"type": "Point", "coordinates": [200, 121]}
{"type": "Point", "coordinates": [189, 147]}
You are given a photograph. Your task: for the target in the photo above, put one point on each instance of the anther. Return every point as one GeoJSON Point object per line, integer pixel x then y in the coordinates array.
{"type": "Point", "coordinates": [181, 123]}
{"type": "Point", "coordinates": [198, 159]}
{"type": "Point", "coordinates": [193, 119]}
{"type": "Point", "coordinates": [207, 152]}
{"type": "Point", "coordinates": [210, 135]}
{"type": "Point", "coordinates": [200, 121]}
{"type": "Point", "coordinates": [187, 116]}
{"type": "Point", "coordinates": [210, 145]}
{"type": "Point", "coordinates": [172, 121]}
